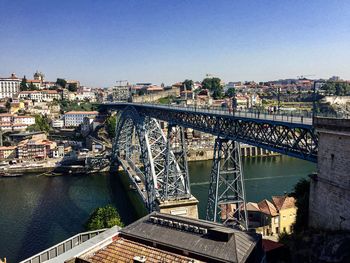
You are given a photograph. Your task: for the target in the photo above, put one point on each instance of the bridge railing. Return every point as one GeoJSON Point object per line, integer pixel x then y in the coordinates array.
{"type": "Point", "coordinates": [295, 116]}
{"type": "Point", "coordinates": [62, 247]}
{"type": "Point", "coordinates": [302, 117]}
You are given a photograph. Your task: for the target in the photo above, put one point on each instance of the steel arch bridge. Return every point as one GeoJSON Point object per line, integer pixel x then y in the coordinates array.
{"type": "Point", "coordinates": [163, 160]}
{"type": "Point", "coordinates": [140, 142]}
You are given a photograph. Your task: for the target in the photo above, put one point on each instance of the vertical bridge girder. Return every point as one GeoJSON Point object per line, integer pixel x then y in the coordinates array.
{"type": "Point", "coordinates": [163, 172]}
{"type": "Point", "coordinates": [226, 196]}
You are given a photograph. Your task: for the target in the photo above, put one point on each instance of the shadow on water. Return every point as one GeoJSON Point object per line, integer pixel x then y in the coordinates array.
{"type": "Point", "coordinates": [41, 231]}
{"type": "Point", "coordinates": [120, 199]}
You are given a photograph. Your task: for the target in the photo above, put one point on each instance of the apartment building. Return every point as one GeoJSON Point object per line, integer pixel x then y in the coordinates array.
{"type": "Point", "coordinates": [35, 149]}
{"type": "Point", "coordinates": [9, 87]}
{"type": "Point", "coordinates": [75, 118]}
{"type": "Point", "coordinates": [12, 122]}
{"type": "Point", "coordinates": [40, 95]}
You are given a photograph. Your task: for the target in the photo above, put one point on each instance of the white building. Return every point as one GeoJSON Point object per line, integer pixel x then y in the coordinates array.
{"type": "Point", "coordinates": [75, 118]}
{"type": "Point", "coordinates": [39, 96]}
{"type": "Point", "coordinates": [57, 123]}
{"type": "Point", "coordinates": [27, 120]}
{"type": "Point", "coordinates": [9, 86]}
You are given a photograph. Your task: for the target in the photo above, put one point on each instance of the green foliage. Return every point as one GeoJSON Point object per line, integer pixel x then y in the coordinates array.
{"type": "Point", "coordinates": [188, 84]}
{"type": "Point", "coordinates": [336, 88]}
{"type": "Point", "coordinates": [61, 82]}
{"type": "Point", "coordinates": [41, 124]}
{"type": "Point", "coordinates": [301, 194]}
{"type": "Point", "coordinates": [103, 217]}
{"type": "Point", "coordinates": [32, 86]}
{"type": "Point", "coordinates": [166, 100]}
{"type": "Point", "coordinates": [72, 87]}
{"type": "Point", "coordinates": [214, 86]}
{"type": "Point", "coordinates": [111, 122]}
{"type": "Point", "coordinates": [23, 85]}
{"type": "Point", "coordinates": [67, 105]}
{"type": "Point", "coordinates": [8, 105]}
{"type": "Point", "coordinates": [231, 92]}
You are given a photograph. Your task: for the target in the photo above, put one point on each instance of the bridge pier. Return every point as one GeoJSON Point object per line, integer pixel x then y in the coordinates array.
{"type": "Point", "coordinates": [226, 196]}
{"type": "Point", "coordinates": [329, 203]}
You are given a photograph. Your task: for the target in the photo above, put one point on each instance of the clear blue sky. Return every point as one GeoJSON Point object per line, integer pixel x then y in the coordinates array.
{"type": "Point", "coordinates": [100, 41]}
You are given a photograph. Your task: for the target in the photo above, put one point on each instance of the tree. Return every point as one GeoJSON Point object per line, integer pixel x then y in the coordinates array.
{"type": "Point", "coordinates": [72, 87]}
{"type": "Point", "coordinates": [301, 194]}
{"type": "Point", "coordinates": [111, 122]}
{"type": "Point", "coordinates": [336, 88]}
{"type": "Point", "coordinates": [103, 217]}
{"type": "Point", "coordinates": [187, 84]}
{"type": "Point", "coordinates": [41, 124]}
{"type": "Point", "coordinates": [61, 82]}
{"type": "Point", "coordinates": [231, 92]}
{"type": "Point", "coordinates": [32, 86]}
{"type": "Point", "coordinates": [23, 86]}
{"type": "Point", "coordinates": [214, 86]}
{"type": "Point", "coordinates": [8, 105]}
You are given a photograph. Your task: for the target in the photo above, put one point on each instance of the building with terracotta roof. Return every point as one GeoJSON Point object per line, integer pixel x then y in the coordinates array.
{"type": "Point", "coordinates": [161, 237]}
{"type": "Point", "coordinates": [40, 95]}
{"type": "Point", "coordinates": [275, 217]}
{"type": "Point", "coordinates": [9, 87]}
{"type": "Point", "coordinates": [35, 149]}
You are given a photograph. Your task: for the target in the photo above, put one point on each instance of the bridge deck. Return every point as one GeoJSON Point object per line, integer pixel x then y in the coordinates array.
{"type": "Point", "coordinates": [286, 134]}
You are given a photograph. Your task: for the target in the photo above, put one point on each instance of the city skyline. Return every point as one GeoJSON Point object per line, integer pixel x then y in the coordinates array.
{"type": "Point", "coordinates": [101, 42]}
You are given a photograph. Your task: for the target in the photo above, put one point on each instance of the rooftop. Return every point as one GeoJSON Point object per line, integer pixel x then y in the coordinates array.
{"type": "Point", "coordinates": [198, 239]}
{"type": "Point", "coordinates": [124, 250]}
{"type": "Point", "coordinates": [82, 112]}
{"type": "Point", "coordinates": [283, 202]}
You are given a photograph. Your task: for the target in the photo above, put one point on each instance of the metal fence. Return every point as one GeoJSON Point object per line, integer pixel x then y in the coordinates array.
{"type": "Point", "coordinates": [294, 116]}
{"type": "Point", "coordinates": [62, 247]}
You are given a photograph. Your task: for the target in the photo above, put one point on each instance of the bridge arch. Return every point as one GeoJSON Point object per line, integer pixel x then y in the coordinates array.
{"type": "Point", "coordinates": [135, 133]}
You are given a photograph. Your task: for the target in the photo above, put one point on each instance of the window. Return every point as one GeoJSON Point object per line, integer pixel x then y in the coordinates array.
{"type": "Point", "coordinates": [284, 229]}
{"type": "Point", "coordinates": [277, 230]}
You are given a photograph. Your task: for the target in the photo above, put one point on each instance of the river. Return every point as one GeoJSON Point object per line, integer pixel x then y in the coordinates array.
{"type": "Point", "coordinates": [37, 212]}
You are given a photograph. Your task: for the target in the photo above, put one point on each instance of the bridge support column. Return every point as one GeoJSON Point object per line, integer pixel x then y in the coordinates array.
{"type": "Point", "coordinates": [226, 197]}
{"type": "Point", "coordinates": [329, 203]}
{"type": "Point", "coordinates": [177, 180]}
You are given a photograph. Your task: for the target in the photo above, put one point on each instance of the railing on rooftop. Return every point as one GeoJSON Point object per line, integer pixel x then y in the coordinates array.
{"type": "Point", "coordinates": [62, 247]}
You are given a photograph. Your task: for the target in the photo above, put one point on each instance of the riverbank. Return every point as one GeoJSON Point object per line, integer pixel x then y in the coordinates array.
{"type": "Point", "coordinates": [51, 166]}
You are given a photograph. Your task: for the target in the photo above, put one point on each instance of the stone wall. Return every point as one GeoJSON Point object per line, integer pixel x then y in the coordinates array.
{"type": "Point", "coordinates": [156, 96]}
{"type": "Point", "coordinates": [330, 189]}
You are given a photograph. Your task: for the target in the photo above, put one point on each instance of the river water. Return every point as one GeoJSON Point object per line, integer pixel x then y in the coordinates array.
{"type": "Point", "coordinates": [37, 212]}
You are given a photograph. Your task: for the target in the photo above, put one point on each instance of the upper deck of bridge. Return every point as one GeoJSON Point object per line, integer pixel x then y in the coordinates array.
{"type": "Point", "coordinates": [303, 119]}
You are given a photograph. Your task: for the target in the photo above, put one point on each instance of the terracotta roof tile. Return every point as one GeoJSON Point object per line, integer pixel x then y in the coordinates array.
{"type": "Point", "coordinates": [267, 207]}
{"type": "Point", "coordinates": [124, 250]}
{"type": "Point", "coordinates": [283, 202]}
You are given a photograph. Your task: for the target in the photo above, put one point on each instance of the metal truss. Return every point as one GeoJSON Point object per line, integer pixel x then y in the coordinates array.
{"type": "Point", "coordinates": [226, 196]}
{"type": "Point", "coordinates": [293, 139]}
{"type": "Point", "coordinates": [176, 183]}
{"type": "Point", "coordinates": [142, 136]}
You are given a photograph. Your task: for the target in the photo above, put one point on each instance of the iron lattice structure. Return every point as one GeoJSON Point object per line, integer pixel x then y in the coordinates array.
{"type": "Point", "coordinates": [226, 196]}
{"type": "Point", "coordinates": [177, 183]}
{"type": "Point", "coordinates": [142, 136]}
{"type": "Point", "coordinates": [293, 139]}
